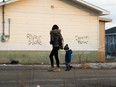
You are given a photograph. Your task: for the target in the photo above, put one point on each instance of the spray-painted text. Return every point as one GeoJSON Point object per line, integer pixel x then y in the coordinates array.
{"type": "Point", "coordinates": [82, 39]}
{"type": "Point", "coordinates": [34, 39]}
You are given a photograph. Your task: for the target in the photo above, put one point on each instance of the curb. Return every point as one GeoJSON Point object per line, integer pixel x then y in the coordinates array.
{"type": "Point", "coordinates": [83, 65]}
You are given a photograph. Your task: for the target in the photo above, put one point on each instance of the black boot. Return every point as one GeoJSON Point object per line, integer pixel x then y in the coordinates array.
{"type": "Point", "coordinates": [67, 68]}
{"type": "Point", "coordinates": [70, 67]}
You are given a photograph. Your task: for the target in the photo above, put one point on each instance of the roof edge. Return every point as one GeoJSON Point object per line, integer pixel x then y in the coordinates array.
{"type": "Point", "coordinates": [91, 6]}
{"type": "Point", "coordinates": [8, 2]}
{"type": "Point", "coordinates": [105, 19]}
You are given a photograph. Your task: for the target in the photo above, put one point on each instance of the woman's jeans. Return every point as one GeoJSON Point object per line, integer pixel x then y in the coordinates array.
{"type": "Point", "coordinates": [54, 53]}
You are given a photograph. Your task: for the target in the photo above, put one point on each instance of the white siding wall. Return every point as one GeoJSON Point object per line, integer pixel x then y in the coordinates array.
{"type": "Point", "coordinates": [32, 20]}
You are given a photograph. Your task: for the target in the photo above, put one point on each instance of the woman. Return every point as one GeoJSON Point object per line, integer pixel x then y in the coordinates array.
{"type": "Point", "coordinates": [56, 42]}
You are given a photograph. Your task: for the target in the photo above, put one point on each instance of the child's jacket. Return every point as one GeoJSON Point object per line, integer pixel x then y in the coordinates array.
{"type": "Point", "coordinates": [68, 55]}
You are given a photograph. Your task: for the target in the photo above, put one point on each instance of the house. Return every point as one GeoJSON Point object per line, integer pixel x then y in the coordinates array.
{"type": "Point", "coordinates": [26, 24]}
{"type": "Point", "coordinates": [111, 41]}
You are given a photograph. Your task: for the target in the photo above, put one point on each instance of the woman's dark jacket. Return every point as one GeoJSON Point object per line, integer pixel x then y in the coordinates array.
{"type": "Point", "coordinates": [56, 37]}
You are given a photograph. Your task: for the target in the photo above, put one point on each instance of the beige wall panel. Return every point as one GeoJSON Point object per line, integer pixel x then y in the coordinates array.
{"type": "Point", "coordinates": [32, 20]}
{"type": "Point", "coordinates": [101, 49]}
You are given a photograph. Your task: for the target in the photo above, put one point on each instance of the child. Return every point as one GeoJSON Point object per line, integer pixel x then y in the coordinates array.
{"type": "Point", "coordinates": [68, 57]}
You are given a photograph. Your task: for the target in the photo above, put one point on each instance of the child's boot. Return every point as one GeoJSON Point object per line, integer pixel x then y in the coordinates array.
{"type": "Point", "coordinates": [70, 67]}
{"type": "Point", "coordinates": [67, 68]}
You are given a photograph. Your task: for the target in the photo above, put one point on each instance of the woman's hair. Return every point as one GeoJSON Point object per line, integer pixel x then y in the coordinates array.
{"type": "Point", "coordinates": [55, 27]}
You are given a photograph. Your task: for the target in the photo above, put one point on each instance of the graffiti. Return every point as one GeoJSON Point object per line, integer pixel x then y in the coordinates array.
{"type": "Point", "coordinates": [82, 39]}
{"type": "Point", "coordinates": [34, 39]}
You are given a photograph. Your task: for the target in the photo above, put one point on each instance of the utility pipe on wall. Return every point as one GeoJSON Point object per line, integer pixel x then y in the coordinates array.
{"type": "Point", "coordinates": [9, 20]}
{"type": "Point", "coordinates": [3, 19]}
{"type": "Point", "coordinates": [4, 36]}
